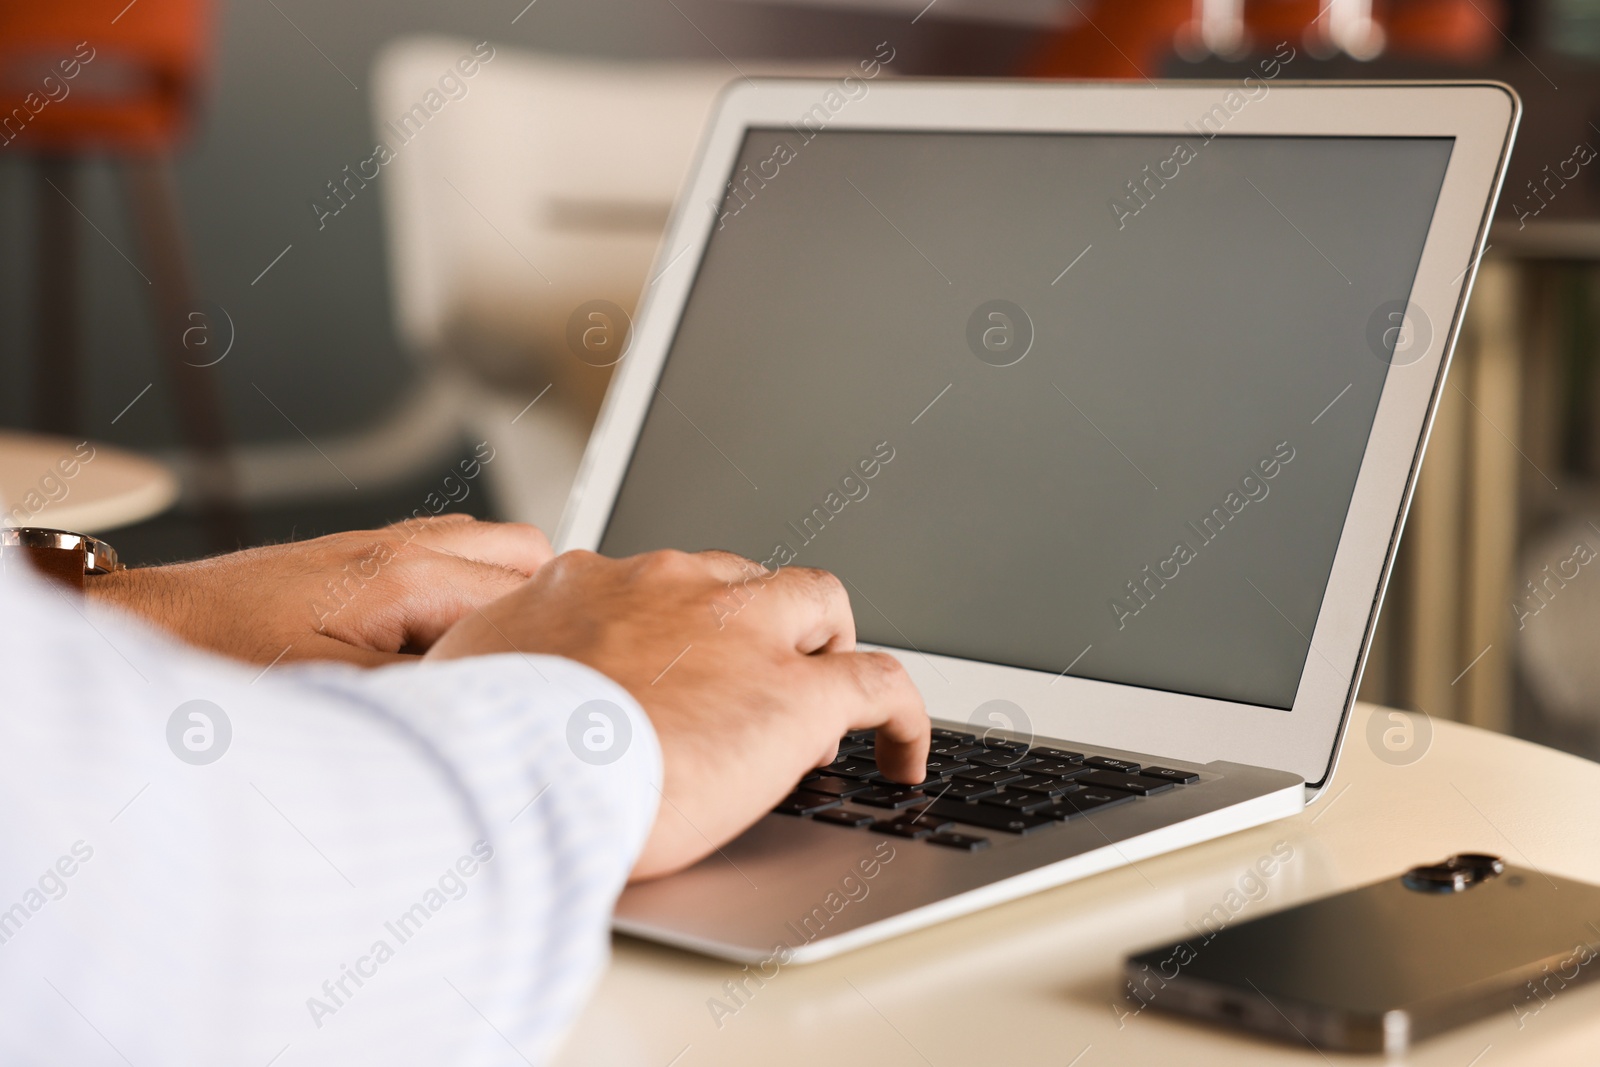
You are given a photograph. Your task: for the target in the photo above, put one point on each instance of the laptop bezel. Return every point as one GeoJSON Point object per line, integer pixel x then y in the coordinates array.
{"type": "Point", "coordinates": [1481, 118]}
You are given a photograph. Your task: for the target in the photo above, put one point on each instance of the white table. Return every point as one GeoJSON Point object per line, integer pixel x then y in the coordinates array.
{"type": "Point", "coordinates": [114, 488]}
{"type": "Point", "coordinates": [1033, 981]}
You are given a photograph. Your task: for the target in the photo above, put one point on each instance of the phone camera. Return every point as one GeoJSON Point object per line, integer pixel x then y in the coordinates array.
{"type": "Point", "coordinates": [1456, 874]}
{"type": "Point", "coordinates": [1480, 864]}
{"type": "Point", "coordinates": [1436, 878]}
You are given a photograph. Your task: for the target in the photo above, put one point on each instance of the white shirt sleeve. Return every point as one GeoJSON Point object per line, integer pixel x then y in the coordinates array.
{"type": "Point", "coordinates": [416, 864]}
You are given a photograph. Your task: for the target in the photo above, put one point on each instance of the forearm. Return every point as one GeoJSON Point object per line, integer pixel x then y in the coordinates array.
{"type": "Point", "coordinates": [238, 906]}
{"type": "Point", "coordinates": [367, 597]}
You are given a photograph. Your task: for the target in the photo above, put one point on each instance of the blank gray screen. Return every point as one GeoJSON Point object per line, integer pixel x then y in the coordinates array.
{"type": "Point", "coordinates": [1139, 471]}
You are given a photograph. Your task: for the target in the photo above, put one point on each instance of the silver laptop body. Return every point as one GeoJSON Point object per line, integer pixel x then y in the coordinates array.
{"type": "Point", "coordinates": [1105, 402]}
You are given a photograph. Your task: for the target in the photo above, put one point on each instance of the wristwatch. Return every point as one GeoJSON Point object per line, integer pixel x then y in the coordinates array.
{"type": "Point", "coordinates": [64, 556]}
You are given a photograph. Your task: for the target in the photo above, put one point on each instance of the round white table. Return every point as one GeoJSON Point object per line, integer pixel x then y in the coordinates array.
{"type": "Point", "coordinates": [47, 481]}
{"type": "Point", "coordinates": [1036, 981]}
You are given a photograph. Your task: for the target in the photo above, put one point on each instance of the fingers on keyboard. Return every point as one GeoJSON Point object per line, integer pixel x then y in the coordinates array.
{"type": "Point", "coordinates": [985, 783]}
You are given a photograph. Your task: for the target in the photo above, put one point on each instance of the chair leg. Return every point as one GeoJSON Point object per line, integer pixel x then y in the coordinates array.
{"type": "Point", "coordinates": [153, 205]}
{"type": "Point", "coordinates": [56, 342]}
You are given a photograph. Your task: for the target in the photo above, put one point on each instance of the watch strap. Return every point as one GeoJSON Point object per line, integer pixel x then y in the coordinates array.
{"type": "Point", "coordinates": [61, 555]}
{"type": "Point", "coordinates": [65, 565]}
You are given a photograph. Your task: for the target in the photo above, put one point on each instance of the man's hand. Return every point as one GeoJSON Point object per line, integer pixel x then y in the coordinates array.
{"type": "Point", "coordinates": [749, 676]}
{"type": "Point", "coordinates": [367, 597]}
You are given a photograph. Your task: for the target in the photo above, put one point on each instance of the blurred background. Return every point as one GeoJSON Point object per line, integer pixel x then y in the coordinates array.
{"type": "Point", "coordinates": [296, 266]}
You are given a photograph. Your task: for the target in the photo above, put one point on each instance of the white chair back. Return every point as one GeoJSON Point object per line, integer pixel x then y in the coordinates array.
{"type": "Point", "coordinates": [514, 195]}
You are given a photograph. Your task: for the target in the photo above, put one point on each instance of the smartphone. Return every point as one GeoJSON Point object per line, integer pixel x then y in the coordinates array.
{"type": "Point", "coordinates": [1378, 968]}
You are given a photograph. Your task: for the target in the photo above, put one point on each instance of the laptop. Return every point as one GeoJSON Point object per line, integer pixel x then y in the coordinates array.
{"type": "Point", "coordinates": [1105, 402]}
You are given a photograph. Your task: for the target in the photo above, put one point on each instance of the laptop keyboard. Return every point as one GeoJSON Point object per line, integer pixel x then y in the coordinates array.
{"type": "Point", "coordinates": [988, 784]}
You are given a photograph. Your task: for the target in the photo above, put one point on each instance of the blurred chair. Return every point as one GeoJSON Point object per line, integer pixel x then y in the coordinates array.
{"type": "Point", "coordinates": [1138, 38]}
{"type": "Point", "coordinates": [523, 215]}
{"type": "Point", "coordinates": [110, 78]}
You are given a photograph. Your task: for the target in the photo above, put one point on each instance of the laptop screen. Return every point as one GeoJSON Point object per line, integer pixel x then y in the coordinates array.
{"type": "Point", "coordinates": [1086, 403]}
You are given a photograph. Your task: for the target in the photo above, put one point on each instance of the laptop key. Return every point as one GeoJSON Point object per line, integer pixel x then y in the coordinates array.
{"type": "Point", "coordinates": [844, 817]}
{"type": "Point", "coordinates": [890, 796]}
{"type": "Point", "coordinates": [1042, 783]}
{"type": "Point", "coordinates": [1110, 764]}
{"type": "Point", "coordinates": [961, 789]}
{"type": "Point", "coordinates": [1002, 744]}
{"type": "Point", "coordinates": [1170, 774]}
{"type": "Point", "coordinates": [1128, 783]}
{"type": "Point", "coordinates": [938, 769]}
{"type": "Point", "coordinates": [1002, 758]}
{"type": "Point", "coordinates": [989, 818]}
{"type": "Point", "coordinates": [911, 828]}
{"type": "Point", "coordinates": [1056, 754]}
{"type": "Point", "coordinates": [805, 804]}
{"type": "Point", "coordinates": [965, 842]}
{"type": "Point", "coordinates": [1088, 802]}
{"type": "Point", "coordinates": [932, 784]}
{"type": "Point", "coordinates": [851, 767]}
{"type": "Point", "coordinates": [834, 786]}
{"type": "Point", "coordinates": [1027, 803]}
{"type": "Point", "coordinates": [922, 815]}
{"type": "Point", "coordinates": [941, 733]}
{"type": "Point", "coordinates": [1057, 768]}
{"type": "Point", "coordinates": [957, 750]}
{"type": "Point", "coordinates": [848, 747]}
{"type": "Point", "coordinates": [944, 766]}
{"type": "Point", "coordinates": [990, 776]}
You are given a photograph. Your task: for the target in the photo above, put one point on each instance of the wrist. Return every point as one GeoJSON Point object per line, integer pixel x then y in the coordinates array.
{"type": "Point", "coordinates": [129, 590]}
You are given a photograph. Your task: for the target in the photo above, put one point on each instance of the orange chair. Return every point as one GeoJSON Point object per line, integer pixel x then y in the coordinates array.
{"type": "Point", "coordinates": [120, 79]}
{"type": "Point", "coordinates": [1114, 39]}
{"type": "Point", "coordinates": [1135, 38]}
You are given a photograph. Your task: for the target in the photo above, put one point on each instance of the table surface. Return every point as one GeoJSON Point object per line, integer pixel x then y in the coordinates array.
{"type": "Point", "coordinates": [115, 488]}
{"type": "Point", "coordinates": [1034, 981]}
